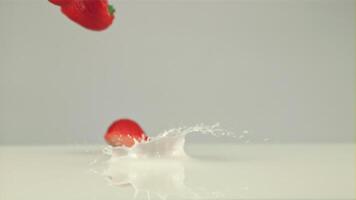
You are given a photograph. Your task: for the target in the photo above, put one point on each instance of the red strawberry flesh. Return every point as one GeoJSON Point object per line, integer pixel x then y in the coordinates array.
{"type": "Point", "coordinates": [125, 132]}
{"type": "Point", "coordinates": [92, 14]}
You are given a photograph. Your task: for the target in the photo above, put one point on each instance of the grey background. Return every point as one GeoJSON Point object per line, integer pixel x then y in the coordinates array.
{"type": "Point", "coordinates": [283, 70]}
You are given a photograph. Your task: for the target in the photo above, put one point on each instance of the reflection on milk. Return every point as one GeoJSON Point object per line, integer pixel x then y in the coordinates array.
{"type": "Point", "coordinates": [160, 178]}
{"type": "Point", "coordinates": [164, 178]}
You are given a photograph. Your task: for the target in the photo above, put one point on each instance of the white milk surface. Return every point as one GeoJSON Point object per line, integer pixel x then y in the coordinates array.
{"type": "Point", "coordinates": [212, 171]}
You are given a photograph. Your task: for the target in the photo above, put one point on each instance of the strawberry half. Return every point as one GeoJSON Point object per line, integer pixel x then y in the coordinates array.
{"type": "Point", "coordinates": [95, 15]}
{"type": "Point", "coordinates": [124, 132]}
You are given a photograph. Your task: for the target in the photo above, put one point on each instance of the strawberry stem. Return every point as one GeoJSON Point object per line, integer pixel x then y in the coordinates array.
{"type": "Point", "coordinates": [111, 9]}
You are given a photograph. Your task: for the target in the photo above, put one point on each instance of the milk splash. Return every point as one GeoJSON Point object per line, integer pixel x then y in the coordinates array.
{"type": "Point", "coordinates": [157, 168]}
{"type": "Point", "coordinates": [168, 144]}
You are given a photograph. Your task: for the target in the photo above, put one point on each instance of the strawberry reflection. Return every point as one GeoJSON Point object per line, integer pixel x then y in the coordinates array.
{"type": "Point", "coordinates": [157, 178]}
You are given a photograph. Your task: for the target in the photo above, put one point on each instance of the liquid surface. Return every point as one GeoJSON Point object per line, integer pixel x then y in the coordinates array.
{"type": "Point", "coordinates": [214, 171]}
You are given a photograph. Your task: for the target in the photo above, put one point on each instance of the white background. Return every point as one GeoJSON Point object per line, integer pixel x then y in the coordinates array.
{"type": "Point", "coordinates": [283, 70]}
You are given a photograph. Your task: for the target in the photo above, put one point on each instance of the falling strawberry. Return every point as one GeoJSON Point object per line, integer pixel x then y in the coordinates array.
{"type": "Point", "coordinates": [124, 132]}
{"type": "Point", "coordinates": [95, 15]}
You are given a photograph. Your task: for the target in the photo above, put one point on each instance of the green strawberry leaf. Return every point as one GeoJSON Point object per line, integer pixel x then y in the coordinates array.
{"type": "Point", "coordinates": [111, 9]}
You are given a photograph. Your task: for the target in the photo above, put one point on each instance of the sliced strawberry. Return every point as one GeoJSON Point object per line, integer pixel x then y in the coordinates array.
{"type": "Point", "coordinates": [124, 132]}
{"type": "Point", "coordinates": [92, 14]}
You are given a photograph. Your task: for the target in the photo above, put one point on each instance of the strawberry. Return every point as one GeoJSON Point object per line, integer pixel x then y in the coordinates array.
{"type": "Point", "coordinates": [124, 132]}
{"type": "Point", "coordinates": [95, 15]}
